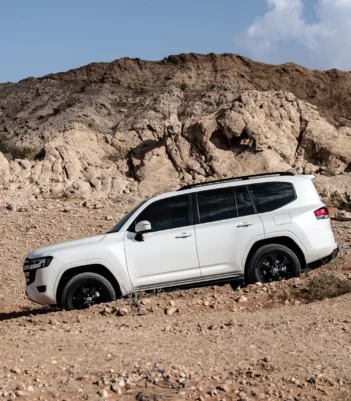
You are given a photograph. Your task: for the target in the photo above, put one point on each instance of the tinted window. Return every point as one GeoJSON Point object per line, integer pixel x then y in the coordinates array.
{"type": "Point", "coordinates": [218, 204]}
{"type": "Point", "coordinates": [243, 202]}
{"type": "Point", "coordinates": [165, 214]}
{"type": "Point", "coordinates": [271, 195]}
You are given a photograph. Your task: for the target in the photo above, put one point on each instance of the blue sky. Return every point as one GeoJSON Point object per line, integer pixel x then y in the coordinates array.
{"type": "Point", "coordinates": [38, 37]}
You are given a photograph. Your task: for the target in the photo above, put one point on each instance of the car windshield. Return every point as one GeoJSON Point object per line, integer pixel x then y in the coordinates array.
{"type": "Point", "coordinates": [123, 220]}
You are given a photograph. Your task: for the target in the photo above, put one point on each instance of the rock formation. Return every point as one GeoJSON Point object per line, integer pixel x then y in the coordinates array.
{"type": "Point", "coordinates": [138, 127]}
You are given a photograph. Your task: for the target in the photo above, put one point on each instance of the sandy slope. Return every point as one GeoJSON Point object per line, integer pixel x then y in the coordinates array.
{"type": "Point", "coordinates": [213, 343]}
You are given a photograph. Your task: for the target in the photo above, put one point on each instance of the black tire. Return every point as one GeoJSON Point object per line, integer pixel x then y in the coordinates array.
{"type": "Point", "coordinates": [86, 289]}
{"type": "Point", "coordinates": [272, 262]}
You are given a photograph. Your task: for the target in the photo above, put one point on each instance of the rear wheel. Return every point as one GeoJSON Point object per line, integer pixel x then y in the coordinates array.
{"type": "Point", "coordinates": [272, 262]}
{"type": "Point", "coordinates": [86, 289]}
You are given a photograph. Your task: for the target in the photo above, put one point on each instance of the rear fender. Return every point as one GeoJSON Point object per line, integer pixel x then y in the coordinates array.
{"type": "Point", "coordinates": [278, 237]}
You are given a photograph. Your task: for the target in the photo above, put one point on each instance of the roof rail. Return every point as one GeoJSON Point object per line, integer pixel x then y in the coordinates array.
{"type": "Point", "coordinates": [245, 177]}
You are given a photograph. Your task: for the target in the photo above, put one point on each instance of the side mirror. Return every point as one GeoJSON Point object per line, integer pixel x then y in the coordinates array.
{"type": "Point", "coordinates": [143, 226]}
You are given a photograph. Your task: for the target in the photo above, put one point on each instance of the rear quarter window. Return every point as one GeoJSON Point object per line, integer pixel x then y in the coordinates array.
{"type": "Point", "coordinates": [271, 195]}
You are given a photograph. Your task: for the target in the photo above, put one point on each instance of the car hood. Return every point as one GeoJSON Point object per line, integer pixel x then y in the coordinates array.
{"type": "Point", "coordinates": [52, 249]}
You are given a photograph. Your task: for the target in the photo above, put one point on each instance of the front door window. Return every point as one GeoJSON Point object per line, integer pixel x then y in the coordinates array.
{"type": "Point", "coordinates": [165, 214]}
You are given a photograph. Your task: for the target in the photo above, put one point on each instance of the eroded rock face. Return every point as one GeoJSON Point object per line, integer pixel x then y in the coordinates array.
{"type": "Point", "coordinates": [161, 146]}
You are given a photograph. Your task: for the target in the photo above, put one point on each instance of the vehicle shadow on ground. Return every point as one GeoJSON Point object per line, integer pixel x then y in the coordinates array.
{"type": "Point", "coordinates": [26, 313]}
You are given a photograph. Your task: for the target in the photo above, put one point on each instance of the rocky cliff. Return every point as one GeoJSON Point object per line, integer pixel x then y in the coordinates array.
{"type": "Point", "coordinates": [138, 127]}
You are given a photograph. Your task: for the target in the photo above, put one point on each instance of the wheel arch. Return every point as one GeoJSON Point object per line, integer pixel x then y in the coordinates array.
{"type": "Point", "coordinates": [90, 268]}
{"type": "Point", "coordinates": [288, 242]}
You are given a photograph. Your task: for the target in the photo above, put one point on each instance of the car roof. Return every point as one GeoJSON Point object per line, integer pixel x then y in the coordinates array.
{"type": "Point", "coordinates": [233, 182]}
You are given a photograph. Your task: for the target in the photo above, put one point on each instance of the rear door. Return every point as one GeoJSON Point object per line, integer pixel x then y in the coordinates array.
{"type": "Point", "coordinates": [225, 226]}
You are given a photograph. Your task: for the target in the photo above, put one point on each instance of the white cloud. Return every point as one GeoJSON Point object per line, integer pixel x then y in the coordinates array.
{"type": "Point", "coordinates": [283, 32]}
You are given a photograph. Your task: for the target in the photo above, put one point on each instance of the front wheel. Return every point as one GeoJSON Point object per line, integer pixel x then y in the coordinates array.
{"type": "Point", "coordinates": [86, 289]}
{"type": "Point", "coordinates": [272, 262]}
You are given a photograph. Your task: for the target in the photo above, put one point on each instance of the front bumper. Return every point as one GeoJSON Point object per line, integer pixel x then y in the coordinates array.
{"type": "Point", "coordinates": [42, 289]}
{"type": "Point", "coordinates": [325, 260]}
{"type": "Point", "coordinates": [34, 295]}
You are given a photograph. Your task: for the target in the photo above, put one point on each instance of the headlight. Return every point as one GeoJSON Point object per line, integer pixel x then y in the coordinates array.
{"type": "Point", "coordinates": [39, 263]}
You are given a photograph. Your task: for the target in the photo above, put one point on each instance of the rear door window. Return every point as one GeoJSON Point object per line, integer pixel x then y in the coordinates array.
{"type": "Point", "coordinates": [243, 202]}
{"type": "Point", "coordinates": [271, 195]}
{"type": "Point", "coordinates": [215, 205]}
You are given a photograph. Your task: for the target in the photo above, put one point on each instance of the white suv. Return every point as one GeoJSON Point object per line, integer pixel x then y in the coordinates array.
{"type": "Point", "coordinates": [263, 228]}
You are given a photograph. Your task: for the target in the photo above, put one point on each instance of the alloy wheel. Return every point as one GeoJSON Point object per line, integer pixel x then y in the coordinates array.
{"type": "Point", "coordinates": [274, 267]}
{"type": "Point", "coordinates": [89, 294]}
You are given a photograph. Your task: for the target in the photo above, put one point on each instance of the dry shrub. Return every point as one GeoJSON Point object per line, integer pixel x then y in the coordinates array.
{"type": "Point", "coordinates": [12, 151]}
{"type": "Point", "coordinates": [323, 286]}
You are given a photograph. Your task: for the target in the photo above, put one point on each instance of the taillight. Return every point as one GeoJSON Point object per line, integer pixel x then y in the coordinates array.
{"type": "Point", "coordinates": [322, 213]}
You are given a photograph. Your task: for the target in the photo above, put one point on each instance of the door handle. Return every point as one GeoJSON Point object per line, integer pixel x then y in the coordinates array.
{"type": "Point", "coordinates": [245, 224]}
{"type": "Point", "coordinates": [183, 235]}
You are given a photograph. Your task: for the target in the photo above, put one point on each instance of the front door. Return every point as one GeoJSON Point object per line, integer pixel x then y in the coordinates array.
{"type": "Point", "coordinates": [167, 254]}
{"type": "Point", "coordinates": [226, 225]}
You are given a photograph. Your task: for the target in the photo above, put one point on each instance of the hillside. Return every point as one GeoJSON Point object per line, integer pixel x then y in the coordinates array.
{"type": "Point", "coordinates": [141, 127]}
{"type": "Point", "coordinates": [79, 149]}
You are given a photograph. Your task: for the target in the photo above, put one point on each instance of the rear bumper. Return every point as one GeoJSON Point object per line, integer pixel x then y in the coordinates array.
{"type": "Point", "coordinates": [324, 260]}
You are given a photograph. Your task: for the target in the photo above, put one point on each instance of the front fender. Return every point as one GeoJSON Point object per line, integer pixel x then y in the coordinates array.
{"type": "Point", "coordinates": [109, 252]}
{"type": "Point", "coordinates": [124, 287]}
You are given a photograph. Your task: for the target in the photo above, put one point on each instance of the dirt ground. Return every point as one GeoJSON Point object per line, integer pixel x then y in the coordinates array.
{"type": "Point", "coordinates": [272, 342]}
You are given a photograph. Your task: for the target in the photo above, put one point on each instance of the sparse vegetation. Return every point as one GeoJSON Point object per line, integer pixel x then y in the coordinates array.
{"type": "Point", "coordinates": [12, 151]}
{"type": "Point", "coordinates": [323, 286]}
{"type": "Point", "coordinates": [183, 86]}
